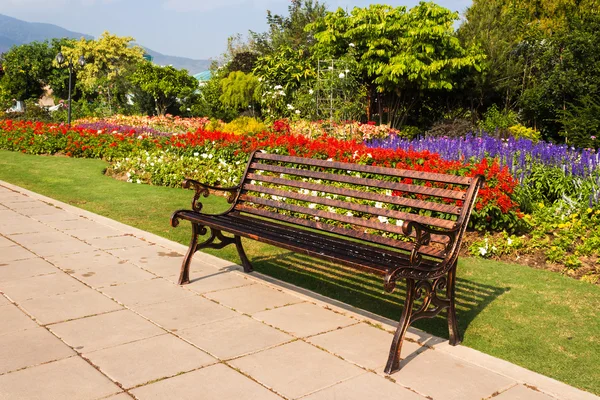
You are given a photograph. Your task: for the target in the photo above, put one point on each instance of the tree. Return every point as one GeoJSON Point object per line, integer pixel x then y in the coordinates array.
{"type": "Point", "coordinates": [403, 56]}
{"type": "Point", "coordinates": [110, 59]}
{"type": "Point", "coordinates": [239, 90]}
{"type": "Point", "coordinates": [289, 32]}
{"type": "Point", "coordinates": [26, 70]}
{"type": "Point", "coordinates": [165, 84]}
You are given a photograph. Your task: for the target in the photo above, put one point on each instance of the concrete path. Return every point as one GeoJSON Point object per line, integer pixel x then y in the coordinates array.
{"type": "Point", "coordinates": [89, 309]}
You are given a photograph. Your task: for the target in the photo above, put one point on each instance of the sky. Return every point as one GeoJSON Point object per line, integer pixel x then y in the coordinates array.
{"type": "Point", "coordinates": [188, 28]}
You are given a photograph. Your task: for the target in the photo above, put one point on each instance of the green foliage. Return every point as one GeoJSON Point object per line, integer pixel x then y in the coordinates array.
{"type": "Point", "coordinates": [26, 70]}
{"type": "Point", "coordinates": [239, 126]}
{"type": "Point", "coordinates": [581, 122]}
{"type": "Point", "coordinates": [522, 132]}
{"type": "Point", "coordinates": [239, 90]}
{"type": "Point", "coordinates": [208, 103]}
{"type": "Point", "coordinates": [164, 84]}
{"type": "Point", "coordinates": [495, 120]}
{"type": "Point", "coordinates": [402, 55]}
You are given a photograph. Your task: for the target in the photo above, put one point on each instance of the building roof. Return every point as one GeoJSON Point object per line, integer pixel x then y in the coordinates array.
{"type": "Point", "coordinates": [203, 76]}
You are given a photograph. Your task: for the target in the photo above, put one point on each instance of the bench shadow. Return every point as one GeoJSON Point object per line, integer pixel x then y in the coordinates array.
{"type": "Point", "coordinates": [365, 291]}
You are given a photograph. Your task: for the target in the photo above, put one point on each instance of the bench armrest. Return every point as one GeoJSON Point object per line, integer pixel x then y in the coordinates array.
{"type": "Point", "coordinates": [414, 269]}
{"type": "Point", "coordinates": [423, 237]}
{"type": "Point", "coordinates": [202, 189]}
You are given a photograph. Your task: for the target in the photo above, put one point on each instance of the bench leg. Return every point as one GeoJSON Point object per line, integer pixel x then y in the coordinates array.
{"type": "Point", "coordinates": [393, 363]}
{"type": "Point", "coordinates": [184, 275]}
{"type": "Point", "coordinates": [245, 262]}
{"type": "Point", "coordinates": [454, 333]}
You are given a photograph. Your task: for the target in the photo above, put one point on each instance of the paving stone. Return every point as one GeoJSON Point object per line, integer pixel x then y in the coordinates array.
{"type": "Point", "coordinates": [185, 313]}
{"type": "Point", "coordinates": [38, 209]}
{"type": "Point", "coordinates": [117, 242]}
{"type": "Point", "coordinates": [296, 369]}
{"type": "Point", "coordinates": [13, 319]}
{"type": "Point", "coordinates": [466, 381]}
{"type": "Point", "coordinates": [25, 268]}
{"type": "Point", "coordinates": [520, 392]}
{"type": "Point", "coordinates": [216, 382]}
{"type": "Point", "coordinates": [14, 253]}
{"type": "Point", "coordinates": [79, 223]}
{"type": "Point", "coordinates": [136, 363]}
{"type": "Point", "coordinates": [69, 306]}
{"type": "Point", "coordinates": [25, 239]}
{"type": "Point", "coordinates": [139, 253]}
{"type": "Point", "coordinates": [105, 330]}
{"type": "Point", "coordinates": [120, 396]}
{"type": "Point", "coordinates": [350, 344]}
{"type": "Point", "coordinates": [254, 298]}
{"type": "Point", "coordinates": [72, 379]}
{"type": "Point", "coordinates": [168, 267]}
{"type": "Point", "coordinates": [58, 215]}
{"type": "Point", "coordinates": [304, 319]}
{"type": "Point", "coordinates": [4, 301]}
{"type": "Point", "coordinates": [146, 292]}
{"type": "Point", "coordinates": [365, 386]}
{"type": "Point", "coordinates": [41, 286]}
{"type": "Point", "coordinates": [206, 280]}
{"type": "Point", "coordinates": [94, 233]}
{"type": "Point", "coordinates": [234, 337]}
{"type": "Point", "coordinates": [66, 246]}
{"type": "Point", "coordinates": [91, 259]}
{"type": "Point", "coordinates": [5, 242]}
{"type": "Point", "coordinates": [20, 349]}
{"type": "Point", "coordinates": [19, 203]}
{"type": "Point", "coordinates": [22, 225]}
{"type": "Point", "coordinates": [112, 275]}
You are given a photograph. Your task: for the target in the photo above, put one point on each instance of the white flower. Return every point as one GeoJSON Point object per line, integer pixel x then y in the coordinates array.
{"type": "Point", "coordinates": [204, 155]}
{"type": "Point", "coordinates": [379, 205]}
{"type": "Point", "coordinates": [388, 192]}
{"type": "Point", "coordinates": [260, 79]}
{"type": "Point", "coordinates": [210, 156]}
{"type": "Point", "coordinates": [510, 242]}
{"type": "Point", "coordinates": [330, 159]}
{"type": "Point", "coordinates": [382, 219]}
{"type": "Point", "coordinates": [99, 130]}
{"type": "Point", "coordinates": [351, 45]}
{"type": "Point", "coordinates": [399, 222]}
{"type": "Point", "coordinates": [349, 214]}
{"type": "Point", "coordinates": [196, 154]}
{"type": "Point", "coordinates": [312, 206]}
{"type": "Point", "coordinates": [138, 181]}
{"type": "Point", "coordinates": [281, 93]}
{"type": "Point", "coordinates": [314, 193]}
{"type": "Point", "coordinates": [310, 91]}
{"type": "Point", "coordinates": [129, 175]}
{"type": "Point", "coordinates": [290, 107]}
{"type": "Point", "coordinates": [342, 75]}
{"type": "Point", "coordinates": [297, 112]}
{"type": "Point", "coordinates": [482, 251]}
{"type": "Point", "coordinates": [331, 209]}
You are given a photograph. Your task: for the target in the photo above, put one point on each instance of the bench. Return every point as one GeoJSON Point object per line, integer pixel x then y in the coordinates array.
{"type": "Point", "coordinates": [400, 224]}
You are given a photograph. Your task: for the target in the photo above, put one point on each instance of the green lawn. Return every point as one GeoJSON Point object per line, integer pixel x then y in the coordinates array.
{"type": "Point", "coordinates": [537, 319]}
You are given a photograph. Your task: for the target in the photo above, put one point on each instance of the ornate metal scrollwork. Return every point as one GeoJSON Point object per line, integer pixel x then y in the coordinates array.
{"type": "Point", "coordinates": [203, 190]}
{"type": "Point", "coordinates": [428, 291]}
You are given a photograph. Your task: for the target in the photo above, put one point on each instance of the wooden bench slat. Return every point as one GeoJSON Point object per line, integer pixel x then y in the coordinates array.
{"type": "Point", "coordinates": [407, 246]}
{"type": "Point", "coordinates": [403, 187]}
{"type": "Point", "coordinates": [437, 222]}
{"type": "Point", "coordinates": [386, 257]}
{"type": "Point", "coordinates": [319, 187]}
{"type": "Point", "coordinates": [427, 176]}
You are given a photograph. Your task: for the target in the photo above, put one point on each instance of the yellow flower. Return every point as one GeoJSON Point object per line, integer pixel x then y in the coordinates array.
{"type": "Point", "coordinates": [553, 248]}
{"type": "Point", "coordinates": [589, 210]}
{"type": "Point", "coordinates": [541, 205]}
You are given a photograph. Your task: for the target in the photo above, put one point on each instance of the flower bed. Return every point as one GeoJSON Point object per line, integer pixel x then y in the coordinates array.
{"type": "Point", "coordinates": [218, 158]}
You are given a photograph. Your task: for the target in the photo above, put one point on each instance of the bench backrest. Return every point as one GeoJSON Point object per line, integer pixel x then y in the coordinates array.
{"type": "Point", "coordinates": [363, 202]}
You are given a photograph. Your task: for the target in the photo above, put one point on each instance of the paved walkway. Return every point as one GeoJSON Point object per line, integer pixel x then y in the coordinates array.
{"type": "Point", "coordinates": [89, 309]}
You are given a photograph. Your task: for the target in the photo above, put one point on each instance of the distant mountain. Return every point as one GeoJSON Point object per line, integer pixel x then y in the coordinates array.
{"type": "Point", "coordinates": [192, 66]}
{"type": "Point", "coordinates": [15, 32]}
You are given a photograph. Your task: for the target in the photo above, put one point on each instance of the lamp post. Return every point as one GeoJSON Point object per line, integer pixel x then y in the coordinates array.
{"type": "Point", "coordinates": [60, 59]}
